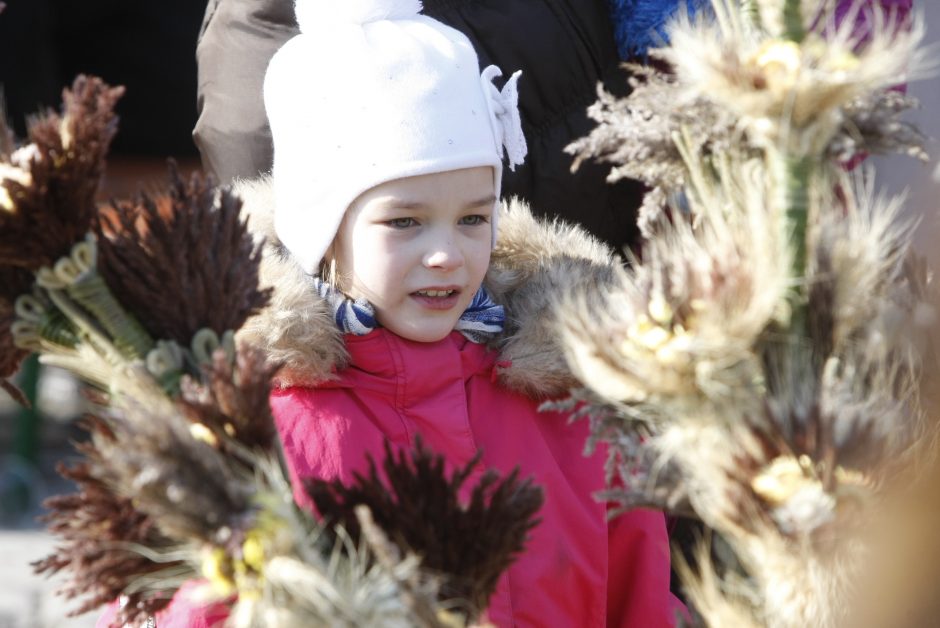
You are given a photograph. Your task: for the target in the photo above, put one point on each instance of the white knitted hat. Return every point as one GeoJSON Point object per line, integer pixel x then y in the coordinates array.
{"type": "Point", "coordinates": [372, 91]}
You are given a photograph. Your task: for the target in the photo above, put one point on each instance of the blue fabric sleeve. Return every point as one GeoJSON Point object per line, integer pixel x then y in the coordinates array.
{"type": "Point", "coordinates": [640, 24]}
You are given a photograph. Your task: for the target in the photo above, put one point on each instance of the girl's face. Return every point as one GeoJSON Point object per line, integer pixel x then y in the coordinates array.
{"type": "Point", "coordinates": [417, 248]}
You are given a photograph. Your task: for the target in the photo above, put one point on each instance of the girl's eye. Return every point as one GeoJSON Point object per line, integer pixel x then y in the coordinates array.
{"type": "Point", "coordinates": [401, 223]}
{"type": "Point", "coordinates": [476, 219]}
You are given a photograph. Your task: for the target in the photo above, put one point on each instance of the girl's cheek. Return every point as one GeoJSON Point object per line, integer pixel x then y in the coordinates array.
{"type": "Point", "coordinates": [482, 250]}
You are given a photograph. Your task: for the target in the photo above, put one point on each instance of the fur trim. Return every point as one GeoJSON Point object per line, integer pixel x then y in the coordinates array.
{"type": "Point", "coordinates": [296, 329]}
{"type": "Point", "coordinates": [533, 265]}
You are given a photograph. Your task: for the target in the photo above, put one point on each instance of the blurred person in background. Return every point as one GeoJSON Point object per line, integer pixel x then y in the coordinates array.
{"type": "Point", "coordinates": [564, 48]}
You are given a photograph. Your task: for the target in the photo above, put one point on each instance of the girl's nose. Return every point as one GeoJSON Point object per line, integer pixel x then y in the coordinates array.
{"type": "Point", "coordinates": [444, 255]}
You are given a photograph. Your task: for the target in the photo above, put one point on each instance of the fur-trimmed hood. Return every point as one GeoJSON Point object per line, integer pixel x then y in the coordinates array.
{"type": "Point", "coordinates": [532, 266]}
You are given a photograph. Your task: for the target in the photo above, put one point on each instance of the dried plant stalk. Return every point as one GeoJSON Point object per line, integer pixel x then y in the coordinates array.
{"type": "Point", "coordinates": [48, 188]}
{"type": "Point", "coordinates": [183, 262]}
{"type": "Point", "coordinates": [47, 193]}
{"type": "Point", "coordinates": [232, 402]}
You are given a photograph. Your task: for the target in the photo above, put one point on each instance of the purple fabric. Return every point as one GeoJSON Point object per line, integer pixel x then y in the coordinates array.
{"type": "Point", "coordinates": [898, 11]}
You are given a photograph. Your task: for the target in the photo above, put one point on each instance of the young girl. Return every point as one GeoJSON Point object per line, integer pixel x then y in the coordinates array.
{"type": "Point", "coordinates": [388, 148]}
{"type": "Point", "coordinates": [395, 316]}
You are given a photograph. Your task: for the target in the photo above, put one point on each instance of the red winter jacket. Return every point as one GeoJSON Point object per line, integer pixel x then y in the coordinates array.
{"type": "Point", "coordinates": [577, 569]}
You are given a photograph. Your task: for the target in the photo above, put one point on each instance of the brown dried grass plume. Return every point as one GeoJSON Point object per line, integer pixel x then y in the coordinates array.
{"type": "Point", "coordinates": [95, 527]}
{"type": "Point", "coordinates": [470, 544]}
{"type": "Point", "coordinates": [47, 192]}
{"type": "Point", "coordinates": [232, 399]}
{"type": "Point", "coordinates": [48, 188]}
{"type": "Point", "coordinates": [182, 262]}
{"type": "Point", "coordinates": [193, 491]}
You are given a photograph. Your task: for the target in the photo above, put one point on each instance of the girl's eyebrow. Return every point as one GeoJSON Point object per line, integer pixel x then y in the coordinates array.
{"type": "Point", "coordinates": [489, 200]}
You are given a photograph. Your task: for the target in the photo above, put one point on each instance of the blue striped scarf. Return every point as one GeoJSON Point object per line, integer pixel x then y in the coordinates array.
{"type": "Point", "coordinates": [482, 319]}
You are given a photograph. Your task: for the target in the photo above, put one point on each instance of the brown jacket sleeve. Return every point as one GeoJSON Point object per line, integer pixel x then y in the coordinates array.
{"type": "Point", "coordinates": [237, 41]}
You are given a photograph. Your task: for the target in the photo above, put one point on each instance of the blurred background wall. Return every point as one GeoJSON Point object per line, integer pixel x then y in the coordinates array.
{"type": "Point", "coordinates": [145, 45]}
{"type": "Point", "coordinates": [897, 174]}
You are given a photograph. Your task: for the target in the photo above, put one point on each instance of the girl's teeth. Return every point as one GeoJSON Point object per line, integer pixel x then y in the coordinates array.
{"type": "Point", "coordinates": [436, 293]}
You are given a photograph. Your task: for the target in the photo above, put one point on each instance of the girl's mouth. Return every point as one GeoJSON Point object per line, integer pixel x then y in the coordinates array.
{"type": "Point", "coordinates": [436, 299]}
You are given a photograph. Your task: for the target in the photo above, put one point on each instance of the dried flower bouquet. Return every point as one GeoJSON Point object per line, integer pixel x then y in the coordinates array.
{"type": "Point", "coordinates": [760, 364]}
